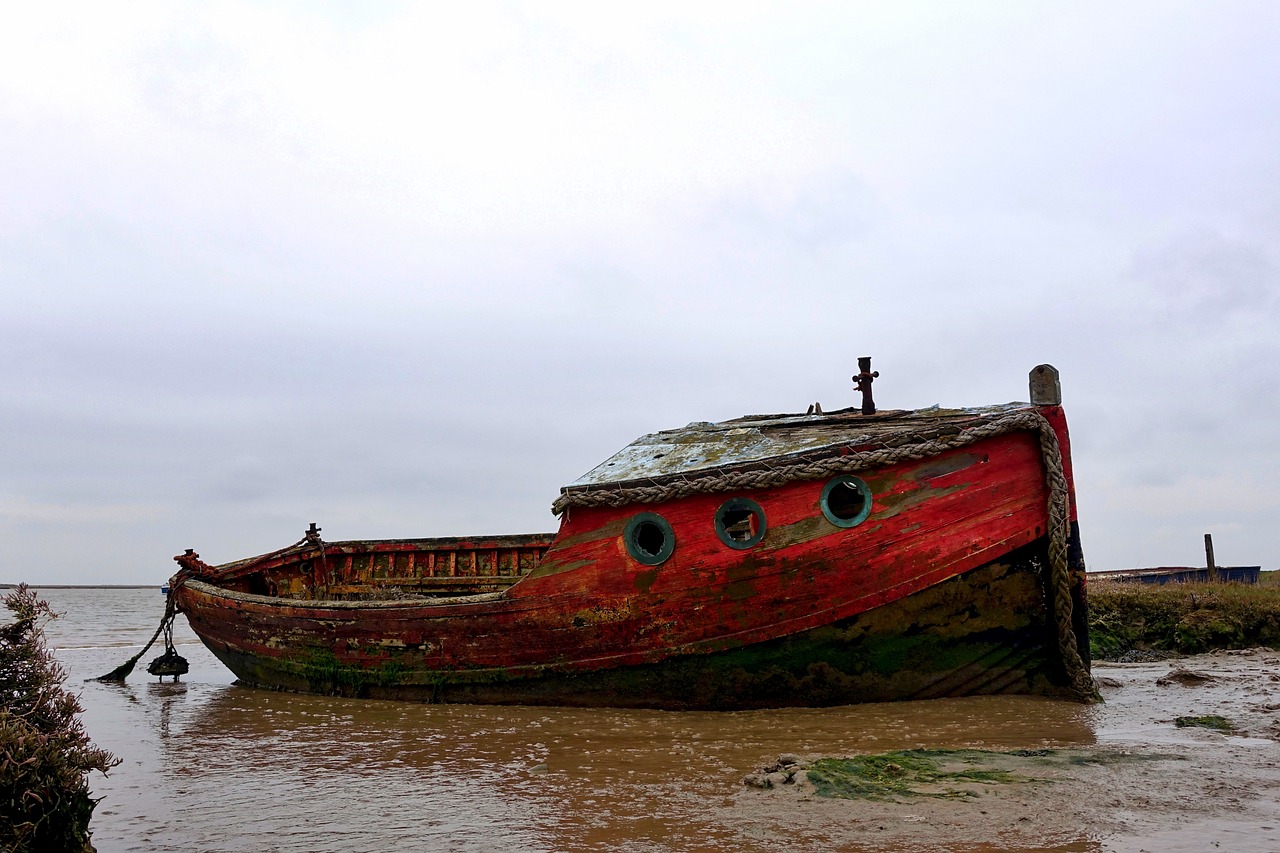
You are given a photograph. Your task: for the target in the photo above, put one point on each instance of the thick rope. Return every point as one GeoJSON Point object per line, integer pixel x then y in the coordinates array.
{"type": "Point", "coordinates": [1059, 497]}
{"type": "Point", "coordinates": [781, 474]}
{"type": "Point", "coordinates": [1059, 517]}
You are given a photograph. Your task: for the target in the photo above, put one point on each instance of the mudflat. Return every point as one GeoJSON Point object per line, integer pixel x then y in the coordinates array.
{"type": "Point", "coordinates": [1186, 757]}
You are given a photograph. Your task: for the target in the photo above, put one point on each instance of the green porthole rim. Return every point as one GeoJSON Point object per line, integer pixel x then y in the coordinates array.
{"type": "Point", "coordinates": [739, 505]}
{"type": "Point", "coordinates": [649, 538]}
{"type": "Point", "coordinates": [838, 516]}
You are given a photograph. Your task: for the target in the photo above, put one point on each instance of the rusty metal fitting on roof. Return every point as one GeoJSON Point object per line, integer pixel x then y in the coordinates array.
{"type": "Point", "coordinates": [862, 382]}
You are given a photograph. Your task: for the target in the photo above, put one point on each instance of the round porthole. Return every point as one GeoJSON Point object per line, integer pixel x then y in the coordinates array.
{"type": "Point", "coordinates": [740, 523]}
{"type": "Point", "coordinates": [649, 538]}
{"type": "Point", "coordinates": [846, 501]}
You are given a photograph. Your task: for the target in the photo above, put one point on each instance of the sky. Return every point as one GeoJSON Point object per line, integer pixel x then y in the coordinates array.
{"type": "Point", "coordinates": [406, 269]}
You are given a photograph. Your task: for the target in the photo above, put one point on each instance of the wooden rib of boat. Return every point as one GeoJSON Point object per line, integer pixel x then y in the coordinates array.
{"type": "Point", "coordinates": [816, 559]}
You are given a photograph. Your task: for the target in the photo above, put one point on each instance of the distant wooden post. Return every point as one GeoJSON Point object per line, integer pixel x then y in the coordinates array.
{"type": "Point", "coordinates": [1208, 557]}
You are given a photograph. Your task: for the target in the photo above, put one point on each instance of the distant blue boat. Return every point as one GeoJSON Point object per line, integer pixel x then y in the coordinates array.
{"type": "Point", "coordinates": [1183, 574]}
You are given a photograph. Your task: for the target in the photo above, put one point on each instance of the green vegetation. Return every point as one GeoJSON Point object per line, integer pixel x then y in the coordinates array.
{"type": "Point", "coordinates": [1186, 618]}
{"type": "Point", "coordinates": [45, 754]}
{"type": "Point", "coordinates": [1209, 721]}
{"type": "Point", "coordinates": [943, 773]}
{"type": "Point", "coordinates": [905, 773]}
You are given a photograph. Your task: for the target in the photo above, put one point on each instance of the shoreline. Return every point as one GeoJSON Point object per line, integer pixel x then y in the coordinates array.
{"type": "Point", "coordinates": [83, 586]}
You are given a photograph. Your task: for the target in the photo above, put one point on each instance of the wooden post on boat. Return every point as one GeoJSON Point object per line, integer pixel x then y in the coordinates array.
{"type": "Point", "coordinates": [1046, 388]}
{"type": "Point", "coordinates": [1208, 558]}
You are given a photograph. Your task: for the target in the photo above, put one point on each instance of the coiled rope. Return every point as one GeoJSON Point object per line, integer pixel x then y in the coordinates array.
{"type": "Point", "coordinates": [1059, 497]}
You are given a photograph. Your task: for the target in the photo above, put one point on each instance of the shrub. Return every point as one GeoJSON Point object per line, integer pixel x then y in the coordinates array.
{"type": "Point", "coordinates": [45, 754]}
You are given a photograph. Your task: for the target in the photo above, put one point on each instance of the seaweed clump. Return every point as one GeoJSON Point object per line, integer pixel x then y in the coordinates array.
{"type": "Point", "coordinates": [905, 773]}
{"type": "Point", "coordinates": [45, 754]}
{"type": "Point", "coordinates": [1213, 722]}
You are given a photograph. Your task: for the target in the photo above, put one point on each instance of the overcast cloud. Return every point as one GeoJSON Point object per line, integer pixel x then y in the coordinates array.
{"type": "Point", "coordinates": [408, 269]}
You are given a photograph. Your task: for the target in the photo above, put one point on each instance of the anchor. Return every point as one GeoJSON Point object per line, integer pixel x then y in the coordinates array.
{"type": "Point", "coordinates": [169, 663]}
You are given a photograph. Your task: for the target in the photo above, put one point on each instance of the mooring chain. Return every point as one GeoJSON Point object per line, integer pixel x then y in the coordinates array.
{"type": "Point", "coordinates": [166, 627]}
{"type": "Point", "coordinates": [1058, 504]}
{"type": "Point", "coordinates": [191, 567]}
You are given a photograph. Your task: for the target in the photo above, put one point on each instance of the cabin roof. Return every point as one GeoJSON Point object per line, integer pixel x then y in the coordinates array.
{"type": "Point", "coordinates": [755, 441]}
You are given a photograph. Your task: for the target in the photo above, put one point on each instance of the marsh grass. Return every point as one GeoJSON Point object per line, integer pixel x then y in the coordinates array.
{"type": "Point", "coordinates": [1185, 618]}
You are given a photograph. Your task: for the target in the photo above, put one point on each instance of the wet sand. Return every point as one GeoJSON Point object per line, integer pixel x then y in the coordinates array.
{"type": "Point", "coordinates": [212, 766]}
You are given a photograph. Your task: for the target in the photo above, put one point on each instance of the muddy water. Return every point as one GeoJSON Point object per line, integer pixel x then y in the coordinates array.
{"type": "Point", "coordinates": [211, 766]}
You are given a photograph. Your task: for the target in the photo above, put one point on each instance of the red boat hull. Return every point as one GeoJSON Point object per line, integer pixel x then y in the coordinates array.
{"type": "Point", "coordinates": [940, 591]}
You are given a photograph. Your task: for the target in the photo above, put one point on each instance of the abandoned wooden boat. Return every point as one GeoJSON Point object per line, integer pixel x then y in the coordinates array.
{"type": "Point", "coordinates": [815, 559]}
